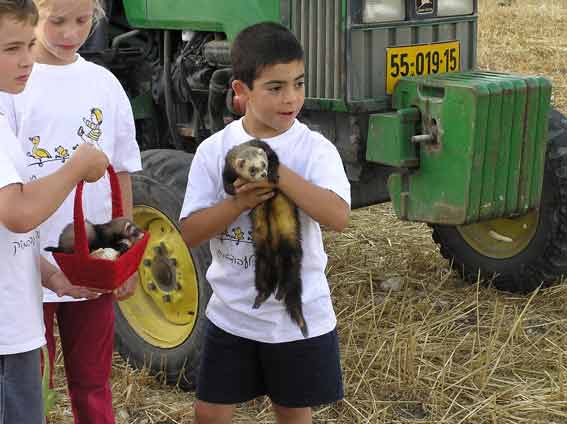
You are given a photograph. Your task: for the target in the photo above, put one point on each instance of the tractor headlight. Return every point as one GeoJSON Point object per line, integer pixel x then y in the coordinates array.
{"type": "Point", "coordinates": [383, 11]}
{"type": "Point", "coordinates": [455, 7]}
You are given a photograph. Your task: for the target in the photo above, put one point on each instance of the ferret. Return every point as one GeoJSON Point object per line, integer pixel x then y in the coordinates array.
{"type": "Point", "coordinates": [118, 234]}
{"type": "Point", "coordinates": [275, 229]}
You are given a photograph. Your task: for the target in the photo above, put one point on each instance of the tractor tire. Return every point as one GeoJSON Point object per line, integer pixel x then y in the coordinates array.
{"type": "Point", "coordinates": [518, 255]}
{"type": "Point", "coordinates": [161, 327]}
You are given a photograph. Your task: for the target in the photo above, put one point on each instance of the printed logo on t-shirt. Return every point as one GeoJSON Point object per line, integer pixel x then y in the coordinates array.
{"type": "Point", "coordinates": [38, 153]}
{"type": "Point", "coordinates": [19, 246]}
{"type": "Point", "coordinates": [92, 134]}
{"type": "Point", "coordinates": [94, 131]}
{"type": "Point", "coordinates": [236, 236]}
{"type": "Point", "coordinates": [244, 261]}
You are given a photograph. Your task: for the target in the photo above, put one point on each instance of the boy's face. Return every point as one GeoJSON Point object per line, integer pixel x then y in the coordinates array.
{"type": "Point", "coordinates": [16, 60]}
{"type": "Point", "coordinates": [275, 100]}
{"type": "Point", "coordinates": [64, 26]}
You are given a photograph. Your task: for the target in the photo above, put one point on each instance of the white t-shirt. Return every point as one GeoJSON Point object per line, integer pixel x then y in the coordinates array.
{"type": "Point", "coordinates": [231, 273]}
{"type": "Point", "coordinates": [21, 322]}
{"type": "Point", "coordinates": [62, 107]}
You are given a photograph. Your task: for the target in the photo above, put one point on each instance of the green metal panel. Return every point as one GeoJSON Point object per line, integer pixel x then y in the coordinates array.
{"type": "Point", "coordinates": [327, 105]}
{"type": "Point", "coordinates": [489, 156]}
{"type": "Point", "coordinates": [228, 16]}
{"type": "Point", "coordinates": [393, 132]}
{"type": "Point", "coordinates": [135, 11]}
{"type": "Point", "coordinates": [142, 106]}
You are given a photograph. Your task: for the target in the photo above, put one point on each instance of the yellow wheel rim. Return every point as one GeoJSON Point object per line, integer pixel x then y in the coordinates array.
{"type": "Point", "coordinates": [501, 238]}
{"type": "Point", "coordinates": [163, 310]}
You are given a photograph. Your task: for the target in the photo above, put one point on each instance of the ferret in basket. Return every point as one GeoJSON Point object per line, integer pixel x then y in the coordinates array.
{"type": "Point", "coordinates": [118, 234]}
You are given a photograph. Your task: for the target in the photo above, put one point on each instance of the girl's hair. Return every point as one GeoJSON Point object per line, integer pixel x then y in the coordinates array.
{"type": "Point", "coordinates": [21, 10]}
{"type": "Point", "coordinates": [98, 14]}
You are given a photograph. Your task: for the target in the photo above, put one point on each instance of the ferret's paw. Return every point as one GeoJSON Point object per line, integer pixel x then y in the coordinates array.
{"type": "Point", "coordinates": [260, 298]}
{"type": "Point", "coordinates": [53, 249]}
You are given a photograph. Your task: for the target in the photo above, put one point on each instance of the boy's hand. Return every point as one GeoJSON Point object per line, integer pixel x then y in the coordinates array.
{"type": "Point", "coordinates": [127, 289]}
{"type": "Point", "coordinates": [249, 195]}
{"type": "Point", "coordinates": [91, 162]}
{"type": "Point", "coordinates": [59, 284]}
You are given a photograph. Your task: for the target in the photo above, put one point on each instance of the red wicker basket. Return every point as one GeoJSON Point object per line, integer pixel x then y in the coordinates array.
{"type": "Point", "coordinates": [84, 270]}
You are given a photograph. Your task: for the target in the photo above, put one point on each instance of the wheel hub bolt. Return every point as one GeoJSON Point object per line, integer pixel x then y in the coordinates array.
{"type": "Point", "coordinates": [166, 298]}
{"type": "Point", "coordinates": [152, 286]}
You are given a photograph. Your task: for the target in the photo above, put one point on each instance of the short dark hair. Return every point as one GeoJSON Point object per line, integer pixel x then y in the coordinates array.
{"type": "Point", "coordinates": [261, 45]}
{"type": "Point", "coordinates": [20, 10]}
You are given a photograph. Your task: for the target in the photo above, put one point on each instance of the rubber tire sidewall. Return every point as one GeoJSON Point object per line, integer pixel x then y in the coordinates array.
{"type": "Point", "coordinates": [530, 268]}
{"type": "Point", "coordinates": [181, 363]}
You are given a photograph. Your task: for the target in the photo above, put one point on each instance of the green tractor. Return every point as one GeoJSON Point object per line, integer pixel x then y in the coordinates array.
{"type": "Point", "coordinates": [479, 156]}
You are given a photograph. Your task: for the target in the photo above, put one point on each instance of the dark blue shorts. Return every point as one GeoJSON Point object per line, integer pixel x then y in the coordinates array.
{"type": "Point", "coordinates": [295, 374]}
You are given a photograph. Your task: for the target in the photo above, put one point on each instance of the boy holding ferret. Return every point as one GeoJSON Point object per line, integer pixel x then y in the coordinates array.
{"type": "Point", "coordinates": [252, 352]}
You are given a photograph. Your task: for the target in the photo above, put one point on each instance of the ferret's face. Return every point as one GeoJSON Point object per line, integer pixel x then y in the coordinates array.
{"type": "Point", "coordinates": [253, 167]}
{"type": "Point", "coordinates": [120, 234]}
{"type": "Point", "coordinates": [121, 228]}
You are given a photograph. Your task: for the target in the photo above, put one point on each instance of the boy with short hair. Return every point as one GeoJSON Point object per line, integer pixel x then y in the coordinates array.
{"type": "Point", "coordinates": [252, 352]}
{"type": "Point", "coordinates": [23, 206]}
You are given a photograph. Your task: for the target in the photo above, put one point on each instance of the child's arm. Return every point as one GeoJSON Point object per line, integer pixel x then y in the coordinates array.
{"type": "Point", "coordinates": [126, 188]}
{"type": "Point", "coordinates": [129, 287]}
{"type": "Point", "coordinates": [127, 158]}
{"type": "Point", "coordinates": [24, 206]}
{"type": "Point", "coordinates": [321, 204]}
{"type": "Point", "coordinates": [203, 225]}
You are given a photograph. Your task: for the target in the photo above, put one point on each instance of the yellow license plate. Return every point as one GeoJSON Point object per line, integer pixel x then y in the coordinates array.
{"type": "Point", "coordinates": [423, 59]}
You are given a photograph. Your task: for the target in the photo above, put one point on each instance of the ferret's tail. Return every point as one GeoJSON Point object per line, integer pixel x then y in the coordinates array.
{"type": "Point", "coordinates": [295, 311]}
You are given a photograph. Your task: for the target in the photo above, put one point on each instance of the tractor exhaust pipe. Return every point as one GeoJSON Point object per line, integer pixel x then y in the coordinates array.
{"type": "Point", "coordinates": [218, 88]}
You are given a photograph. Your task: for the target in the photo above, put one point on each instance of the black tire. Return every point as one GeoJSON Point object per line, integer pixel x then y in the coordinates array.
{"type": "Point", "coordinates": [544, 259]}
{"type": "Point", "coordinates": [161, 185]}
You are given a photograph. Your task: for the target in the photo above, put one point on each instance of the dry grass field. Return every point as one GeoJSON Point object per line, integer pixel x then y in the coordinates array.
{"type": "Point", "coordinates": [436, 350]}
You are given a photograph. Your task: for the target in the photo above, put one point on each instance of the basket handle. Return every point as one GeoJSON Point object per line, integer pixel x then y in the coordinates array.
{"type": "Point", "coordinates": [81, 245]}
